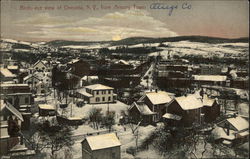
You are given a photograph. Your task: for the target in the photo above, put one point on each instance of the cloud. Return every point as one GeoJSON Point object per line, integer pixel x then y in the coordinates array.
{"type": "Point", "coordinates": [107, 27]}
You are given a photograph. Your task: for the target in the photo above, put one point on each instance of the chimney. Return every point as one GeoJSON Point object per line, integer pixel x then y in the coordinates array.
{"type": "Point", "coordinates": [227, 128]}
{"type": "Point", "coordinates": [21, 140]}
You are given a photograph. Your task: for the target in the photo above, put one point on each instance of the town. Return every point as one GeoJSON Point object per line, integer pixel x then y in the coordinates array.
{"type": "Point", "coordinates": [131, 98]}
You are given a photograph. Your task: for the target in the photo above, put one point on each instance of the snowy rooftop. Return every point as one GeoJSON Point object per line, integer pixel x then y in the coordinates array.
{"type": "Point", "coordinates": [5, 72]}
{"type": "Point", "coordinates": [83, 92]}
{"type": "Point", "coordinates": [189, 102]}
{"type": "Point", "coordinates": [14, 85]}
{"type": "Point", "coordinates": [12, 109]}
{"type": "Point", "coordinates": [39, 61]}
{"type": "Point", "coordinates": [98, 87]}
{"type": "Point", "coordinates": [239, 123]}
{"type": "Point", "coordinates": [142, 108]}
{"type": "Point", "coordinates": [89, 77]}
{"type": "Point", "coordinates": [159, 97]}
{"type": "Point", "coordinates": [46, 106]}
{"type": "Point", "coordinates": [103, 141]}
{"type": "Point", "coordinates": [12, 67]}
{"type": "Point", "coordinates": [172, 116]}
{"type": "Point", "coordinates": [29, 76]}
{"type": "Point", "coordinates": [208, 101]}
{"type": "Point", "coordinates": [216, 78]}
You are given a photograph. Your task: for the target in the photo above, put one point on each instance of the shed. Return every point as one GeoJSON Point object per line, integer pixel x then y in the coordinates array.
{"type": "Point", "coordinates": [46, 110]}
{"type": "Point", "coordinates": [104, 146]}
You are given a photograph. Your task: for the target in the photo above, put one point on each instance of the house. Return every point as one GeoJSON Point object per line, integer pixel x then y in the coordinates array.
{"type": "Point", "coordinates": [140, 112]}
{"type": "Point", "coordinates": [11, 120]}
{"type": "Point", "coordinates": [104, 146]}
{"type": "Point", "coordinates": [88, 79]}
{"type": "Point", "coordinates": [46, 110]}
{"type": "Point", "coordinates": [40, 66]}
{"type": "Point", "coordinates": [187, 107]}
{"type": "Point", "coordinates": [6, 75]}
{"type": "Point", "coordinates": [210, 109]}
{"type": "Point", "coordinates": [41, 88]}
{"type": "Point", "coordinates": [31, 80]}
{"type": "Point", "coordinates": [20, 96]}
{"type": "Point", "coordinates": [11, 142]}
{"type": "Point", "coordinates": [232, 130]}
{"type": "Point", "coordinates": [156, 102]}
{"type": "Point", "coordinates": [97, 94]}
{"type": "Point", "coordinates": [210, 70]}
{"type": "Point", "coordinates": [214, 80]}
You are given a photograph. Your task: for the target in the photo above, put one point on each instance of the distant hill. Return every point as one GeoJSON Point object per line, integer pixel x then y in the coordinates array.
{"type": "Point", "coordinates": [203, 39]}
{"type": "Point", "coordinates": [59, 43]}
{"type": "Point", "coordinates": [141, 40]}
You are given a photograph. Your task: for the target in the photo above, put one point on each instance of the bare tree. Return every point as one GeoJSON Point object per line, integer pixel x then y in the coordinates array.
{"type": "Point", "coordinates": [54, 138]}
{"type": "Point", "coordinates": [95, 116]}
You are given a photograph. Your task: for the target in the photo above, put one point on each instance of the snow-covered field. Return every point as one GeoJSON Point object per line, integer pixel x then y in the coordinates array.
{"type": "Point", "coordinates": [205, 49]}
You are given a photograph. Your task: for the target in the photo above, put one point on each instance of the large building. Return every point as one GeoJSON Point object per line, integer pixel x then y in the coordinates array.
{"type": "Point", "coordinates": [20, 96]}
{"type": "Point", "coordinates": [104, 146]}
{"type": "Point", "coordinates": [97, 94]}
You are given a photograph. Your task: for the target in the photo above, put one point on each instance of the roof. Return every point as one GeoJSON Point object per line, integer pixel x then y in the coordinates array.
{"type": "Point", "coordinates": [89, 77]}
{"type": "Point", "coordinates": [103, 141]}
{"type": "Point", "coordinates": [172, 116]}
{"type": "Point", "coordinates": [6, 73]}
{"type": "Point", "coordinates": [46, 106]}
{"type": "Point", "coordinates": [39, 62]}
{"type": "Point", "coordinates": [159, 97]}
{"type": "Point", "coordinates": [216, 78]}
{"type": "Point", "coordinates": [12, 109]}
{"type": "Point", "coordinates": [12, 67]}
{"type": "Point", "coordinates": [98, 87]}
{"type": "Point", "coordinates": [29, 76]}
{"type": "Point", "coordinates": [239, 123]}
{"type": "Point", "coordinates": [83, 92]}
{"type": "Point", "coordinates": [208, 101]}
{"type": "Point", "coordinates": [123, 62]}
{"type": "Point", "coordinates": [189, 102]}
{"type": "Point", "coordinates": [142, 108]}
{"type": "Point", "coordinates": [14, 85]}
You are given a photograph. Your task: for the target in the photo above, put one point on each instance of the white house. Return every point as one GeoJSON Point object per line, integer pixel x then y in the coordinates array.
{"type": "Point", "coordinates": [97, 94]}
{"type": "Point", "coordinates": [40, 66]}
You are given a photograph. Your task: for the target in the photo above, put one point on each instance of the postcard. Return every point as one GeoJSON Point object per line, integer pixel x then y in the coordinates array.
{"type": "Point", "coordinates": [124, 79]}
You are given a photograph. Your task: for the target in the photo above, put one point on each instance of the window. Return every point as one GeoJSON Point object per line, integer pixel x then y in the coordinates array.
{"type": "Point", "coordinates": [109, 91]}
{"type": "Point", "coordinates": [97, 99]}
{"type": "Point", "coordinates": [10, 100]}
{"type": "Point", "coordinates": [109, 99]}
{"type": "Point", "coordinates": [103, 92]}
{"type": "Point", "coordinates": [113, 155]}
{"type": "Point", "coordinates": [26, 100]}
{"type": "Point", "coordinates": [103, 98]}
{"type": "Point", "coordinates": [97, 92]}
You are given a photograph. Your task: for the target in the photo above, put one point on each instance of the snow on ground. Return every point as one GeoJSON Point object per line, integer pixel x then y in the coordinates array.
{"type": "Point", "coordinates": [234, 44]}
{"type": "Point", "coordinates": [97, 46]}
{"type": "Point", "coordinates": [144, 45]}
{"type": "Point", "coordinates": [205, 49]}
{"type": "Point", "coordinates": [83, 112]}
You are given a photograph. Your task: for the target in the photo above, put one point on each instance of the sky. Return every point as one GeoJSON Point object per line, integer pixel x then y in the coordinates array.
{"type": "Point", "coordinates": [115, 20]}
